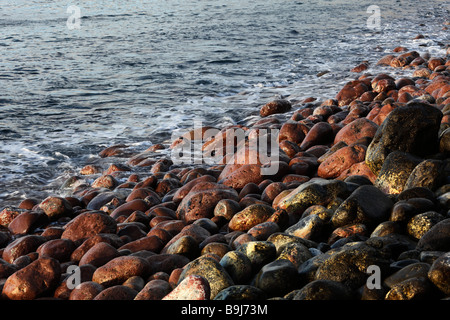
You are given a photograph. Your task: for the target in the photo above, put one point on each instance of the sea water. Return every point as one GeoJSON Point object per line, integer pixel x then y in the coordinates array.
{"type": "Point", "coordinates": [79, 76]}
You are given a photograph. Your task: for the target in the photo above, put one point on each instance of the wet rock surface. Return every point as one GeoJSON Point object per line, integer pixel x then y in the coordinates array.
{"type": "Point", "coordinates": [367, 204]}
{"type": "Point", "coordinates": [34, 280]}
{"type": "Point", "coordinates": [412, 128]}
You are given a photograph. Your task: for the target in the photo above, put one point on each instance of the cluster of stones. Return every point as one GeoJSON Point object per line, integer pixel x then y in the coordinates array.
{"type": "Point", "coordinates": [362, 180]}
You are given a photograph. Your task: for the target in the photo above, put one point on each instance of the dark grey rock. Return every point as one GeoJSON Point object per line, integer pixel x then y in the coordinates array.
{"type": "Point", "coordinates": [241, 292]}
{"type": "Point", "coordinates": [418, 288]}
{"type": "Point", "coordinates": [395, 171]}
{"type": "Point", "coordinates": [392, 244]}
{"type": "Point", "coordinates": [367, 205]}
{"type": "Point", "coordinates": [314, 192]}
{"type": "Point", "coordinates": [417, 192]}
{"type": "Point", "coordinates": [427, 174]}
{"type": "Point", "coordinates": [307, 270]}
{"type": "Point", "coordinates": [439, 273]}
{"type": "Point", "coordinates": [385, 228]}
{"type": "Point", "coordinates": [437, 238]}
{"type": "Point", "coordinates": [309, 228]}
{"type": "Point", "coordinates": [412, 128]}
{"type": "Point", "coordinates": [429, 256]}
{"type": "Point", "coordinates": [279, 239]}
{"type": "Point", "coordinates": [350, 263]}
{"type": "Point", "coordinates": [324, 290]}
{"type": "Point", "coordinates": [259, 253]}
{"type": "Point", "coordinates": [402, 212]}
{"type": "Point", "coordinates": [277, 278]}
{"type": "Point", "coordinates": [186, 246]}
{"type": "Point", "coordinates": [422, 223]}
{"type": "Point", "coordinates": [444, 142]}
{"type": "Point", "coordinates": [238, 266]}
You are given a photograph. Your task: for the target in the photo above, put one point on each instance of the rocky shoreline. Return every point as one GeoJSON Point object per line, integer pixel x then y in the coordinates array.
{"type": "Point", "coordinates": [358, 208]}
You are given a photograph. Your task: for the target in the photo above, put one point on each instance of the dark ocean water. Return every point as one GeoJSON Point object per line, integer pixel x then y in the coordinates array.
{"type": "Point", "coordinates": [137, 70]}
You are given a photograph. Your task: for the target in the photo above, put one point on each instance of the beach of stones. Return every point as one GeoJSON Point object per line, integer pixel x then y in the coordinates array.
{"type": "Point", "coordinates": [358, 208]}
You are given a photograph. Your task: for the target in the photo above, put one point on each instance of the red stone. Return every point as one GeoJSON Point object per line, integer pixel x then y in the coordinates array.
{"type": "Point", "coordinates": [56, 207]}
{"type": "Point", "coordinates": [320, 133]}
{"type": "Point", "coordinates": [99, 254]}
{"type": "Point", "coordinates": [88, 224]}
{"type": "Point", "coordinates": [356, 130]}
{"type": "Point", "coordinates": [273, 107]}
{"type": "Point", "coordinates": [149, 243]}
{"type": "Point", "coordinates": [120, 269]}
{"type": "Point", "coordinates": [358, 169]}
{"type": "Point", "coordinates": [59, 249]}
{"type": "Point", "coordinates": [129, 207]}
{"type": "Point", "coordinates": [22, 246]}
{"type": "Point", "coordinates": [34, 280]}
{"type": "Point", "coordinates": [154, 290]}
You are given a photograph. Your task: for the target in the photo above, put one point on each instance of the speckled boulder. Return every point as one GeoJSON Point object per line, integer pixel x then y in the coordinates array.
{"type": "Point", "coordinates": [259, 253]}
{"type": "Point", "coordinates": [56, 207]}
{"type": "Point", "coordinates": [428, 174]}
{"type": "Point", "coordinates": [349, 265]}
{"type": "Point", "coordinates": [250, 217]}
{"type": "Point", "coordinates": [323, 290]}
{"type": "Point", "coordinates": [237, 265]}
{"type": "Point", "coordinates": [439, 273]}
{"type": "Point", "coordinates": [119, 269]}
{"type": "Point", "coordinates": [395, 171]}
{"type": "Point", "coordinates": [412, 128]}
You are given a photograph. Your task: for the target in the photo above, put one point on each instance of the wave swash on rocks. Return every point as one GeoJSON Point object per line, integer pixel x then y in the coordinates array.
{"type": "Point", "coordinates": [356, 208]}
